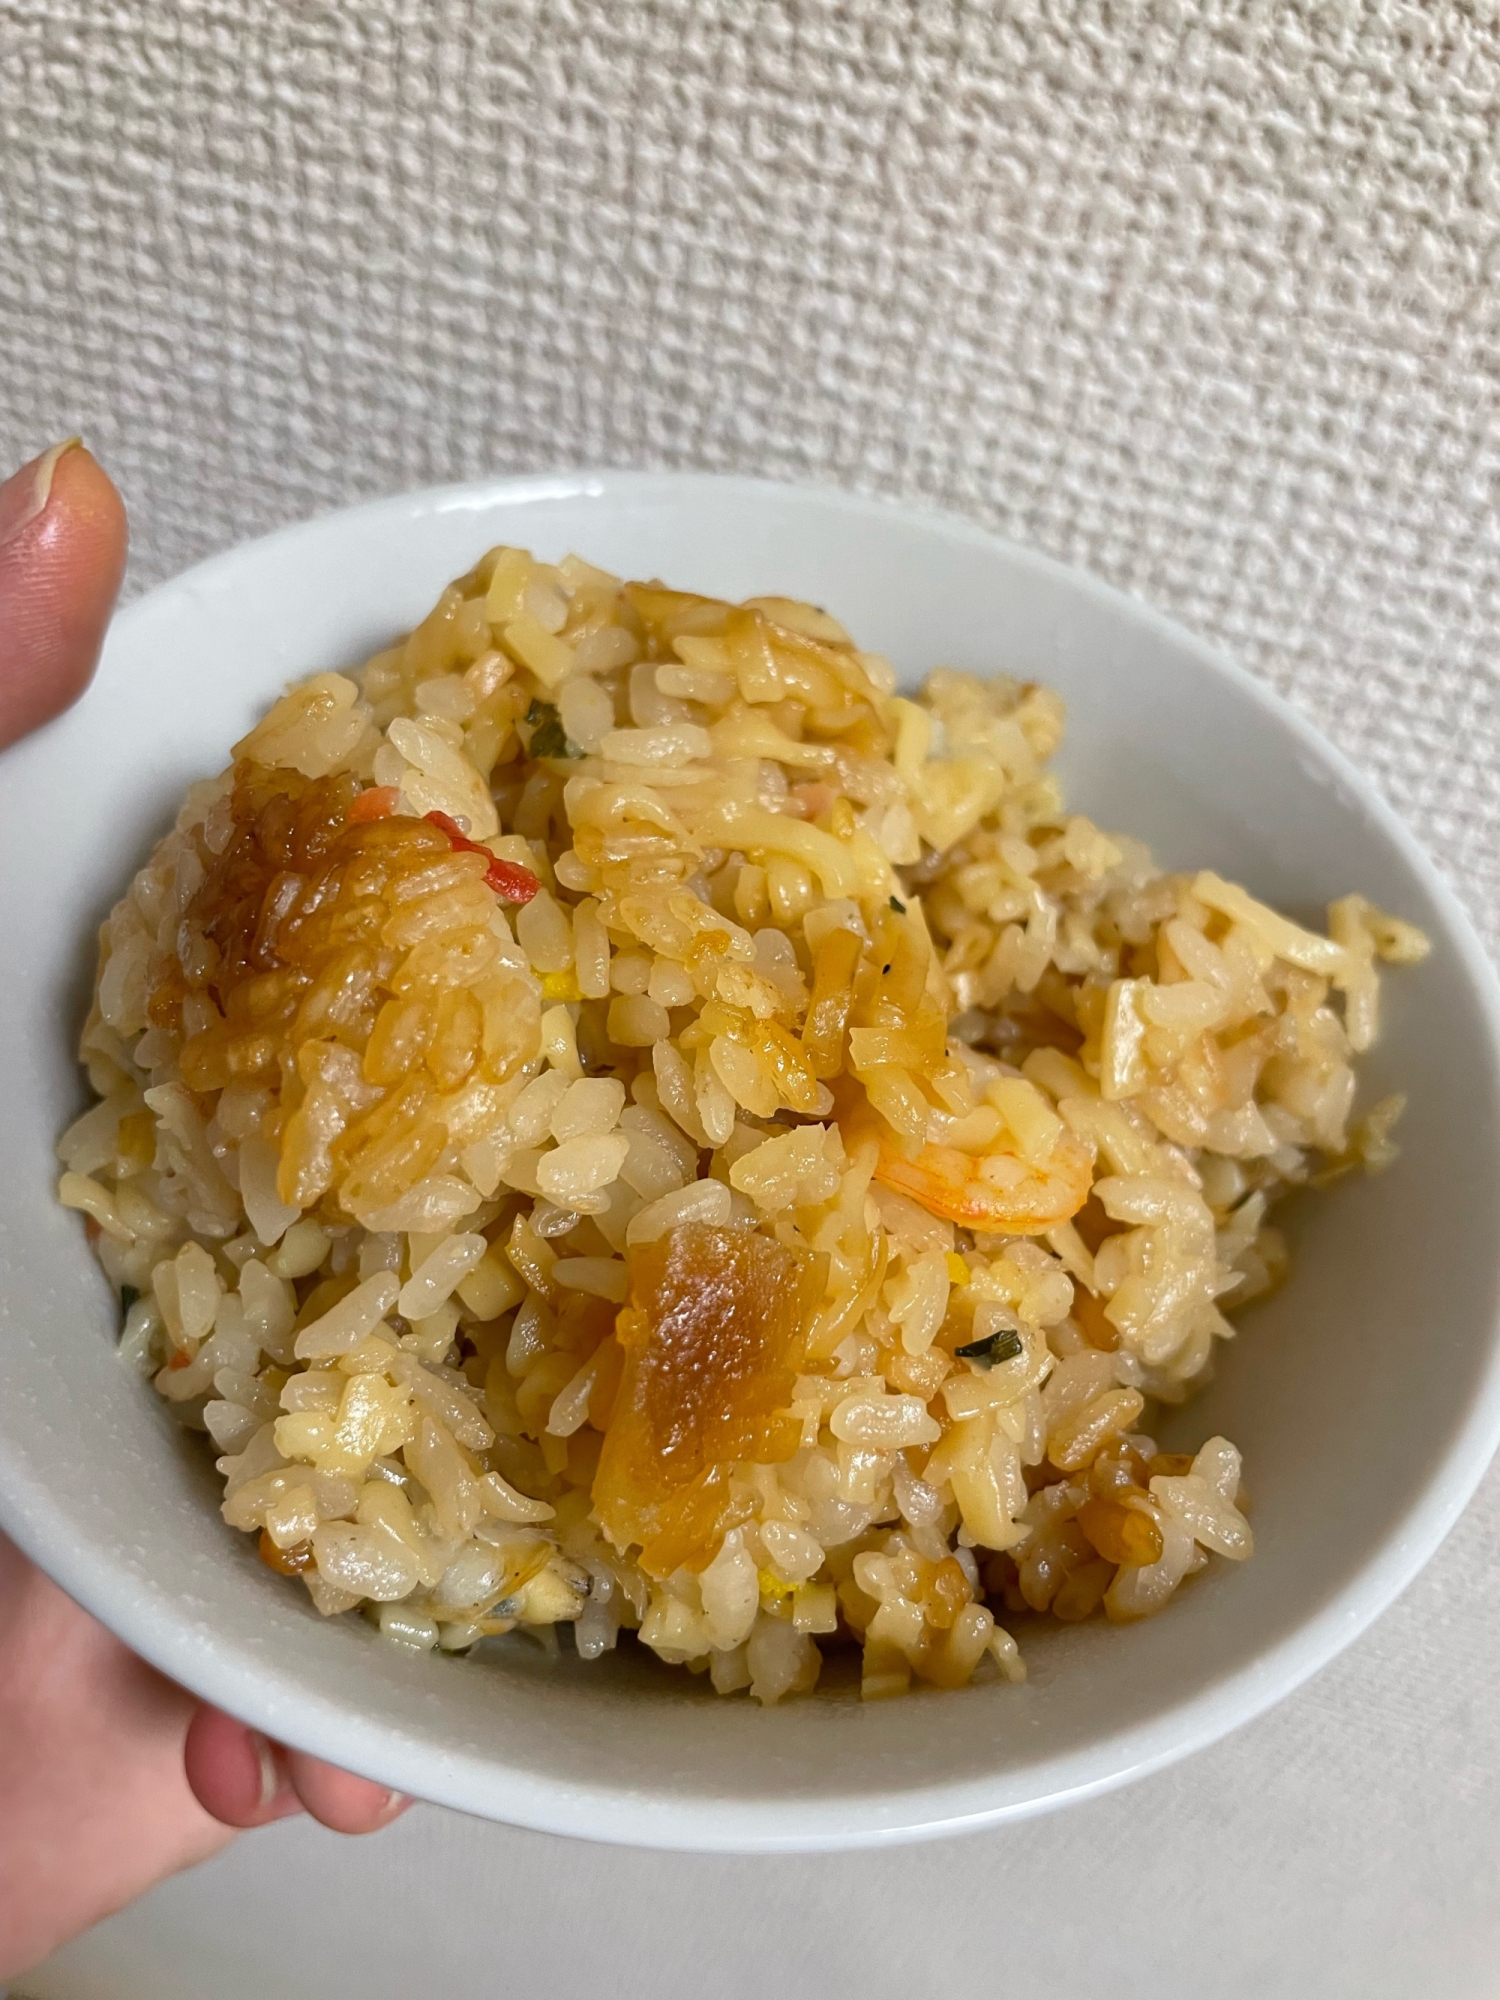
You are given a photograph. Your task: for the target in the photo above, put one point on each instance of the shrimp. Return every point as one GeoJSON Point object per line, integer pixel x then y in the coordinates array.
{"type": "Point", "coordinates": [998, 1192]}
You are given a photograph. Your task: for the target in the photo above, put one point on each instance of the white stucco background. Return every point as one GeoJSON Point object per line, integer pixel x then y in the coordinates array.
{"type": "Point", "coordinates": [1203, 297]}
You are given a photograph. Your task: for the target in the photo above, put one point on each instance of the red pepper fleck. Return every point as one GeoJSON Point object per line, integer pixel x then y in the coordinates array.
{"type": "Point", "coordinates": [508, 879]}
{"type": "Point", "coordinates": [377, 802]}
{"type": "Point", "coordinates": [180, 1358]}
{"type": "Point", "coordinates": [455, 833]}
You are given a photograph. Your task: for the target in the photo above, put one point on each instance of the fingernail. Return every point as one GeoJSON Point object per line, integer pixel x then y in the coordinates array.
{"type": "Point", "coordinates": [270, 1777]}
{"type": "Point", "coordinates": [26, 493]}
{"type": "Point", "coordinates": [394, 1801]}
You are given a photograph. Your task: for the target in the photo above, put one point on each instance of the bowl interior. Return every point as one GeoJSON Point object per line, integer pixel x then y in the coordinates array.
{"type": "Point", "coordinates": [1364, 1395]}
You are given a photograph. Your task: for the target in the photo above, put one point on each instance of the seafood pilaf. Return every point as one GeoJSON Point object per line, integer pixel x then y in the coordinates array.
{"type": "Point", "coordinates": [611, 1117]}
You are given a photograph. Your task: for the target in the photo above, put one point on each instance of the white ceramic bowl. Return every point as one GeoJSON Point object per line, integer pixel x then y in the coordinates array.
{"type": "Point", "coordinates": [1366, 1396]}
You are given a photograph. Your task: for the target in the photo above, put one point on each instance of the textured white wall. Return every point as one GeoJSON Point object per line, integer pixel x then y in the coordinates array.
{"type": "Point", "coordinates": [1203, 297]}
{"type": "Point", "coordinates": [1200, 296]}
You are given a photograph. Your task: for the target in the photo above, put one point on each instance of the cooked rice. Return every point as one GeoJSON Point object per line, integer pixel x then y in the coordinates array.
{"type": "Point", "coordinates": [607, 1259]}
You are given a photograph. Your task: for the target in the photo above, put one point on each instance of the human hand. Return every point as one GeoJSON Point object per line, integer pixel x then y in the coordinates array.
{"type": "Point", "coordinates": [110, 1777]}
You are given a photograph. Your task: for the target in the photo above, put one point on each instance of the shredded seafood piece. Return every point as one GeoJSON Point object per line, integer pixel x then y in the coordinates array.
{"type": "Point", "coordinates": [610, 1115]}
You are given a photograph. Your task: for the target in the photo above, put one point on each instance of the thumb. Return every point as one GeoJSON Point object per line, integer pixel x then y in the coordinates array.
{"type": "Point", "coordinates": [62, 554]}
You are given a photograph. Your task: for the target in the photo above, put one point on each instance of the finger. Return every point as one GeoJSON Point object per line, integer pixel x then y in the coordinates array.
{"type": "Point", "coordinates": [62, 555]}
{"type": "Point", "coordinates": [340, 1800]}
{"type": "Point", "coordinates": [94, 1803]}
{"type": "Point", "coordinates": [235, 1773]}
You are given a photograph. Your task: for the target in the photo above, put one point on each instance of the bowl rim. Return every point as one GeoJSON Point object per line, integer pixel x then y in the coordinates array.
{"type": "Point", "coordinates": [161, 1631]}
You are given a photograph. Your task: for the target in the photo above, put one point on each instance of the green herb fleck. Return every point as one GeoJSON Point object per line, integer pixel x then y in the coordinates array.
{"type": "Point", "coordinates": [993, 1349]}
{"type": "Point", "coordinates": [898, 907]}
{"type": "Point", "coordinates": [548, 737]}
